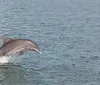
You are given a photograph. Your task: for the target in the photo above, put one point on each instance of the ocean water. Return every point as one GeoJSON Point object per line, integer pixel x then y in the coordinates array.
{"type": "Point", "coordinates": [68, 33]}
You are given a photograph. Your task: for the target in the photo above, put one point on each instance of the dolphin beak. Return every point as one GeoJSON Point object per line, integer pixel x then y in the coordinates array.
{"type": "Point", "coordinates": [40, 52]}
{"type": "Point", "coordinates": [37, 50]}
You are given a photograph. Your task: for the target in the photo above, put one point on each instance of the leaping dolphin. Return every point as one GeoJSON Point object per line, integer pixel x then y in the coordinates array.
{"type": "Point", "coordinates": [13, 46]}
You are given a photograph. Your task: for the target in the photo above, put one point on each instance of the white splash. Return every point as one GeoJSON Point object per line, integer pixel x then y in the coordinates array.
{"type": "Point", "coordinates": [9, 59]}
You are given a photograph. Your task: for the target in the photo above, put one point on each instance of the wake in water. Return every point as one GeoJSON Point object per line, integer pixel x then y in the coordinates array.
{"type": "Point", "coordinates": [9, 59]}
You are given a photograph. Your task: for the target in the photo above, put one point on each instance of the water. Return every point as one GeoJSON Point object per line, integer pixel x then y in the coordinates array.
{"type": "Point", "coordinates": [68, 33]}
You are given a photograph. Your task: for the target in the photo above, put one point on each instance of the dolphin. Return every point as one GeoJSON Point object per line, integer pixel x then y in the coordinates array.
{"type": "Point", "coordinates": [17, 46]}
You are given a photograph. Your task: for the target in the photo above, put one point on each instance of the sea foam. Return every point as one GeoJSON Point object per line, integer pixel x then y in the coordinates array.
{"type": "Point", "coordinates": [9, 59]}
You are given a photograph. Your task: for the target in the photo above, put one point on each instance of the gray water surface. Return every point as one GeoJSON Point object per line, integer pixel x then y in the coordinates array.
{"type": "Point", "coordinates": [68, 33]}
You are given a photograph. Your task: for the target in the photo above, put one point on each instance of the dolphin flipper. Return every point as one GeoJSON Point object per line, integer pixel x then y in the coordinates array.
{"type": "Point", "coordinates": [5, 39]}
{"type": "Point", "coordinates": [22, 52]}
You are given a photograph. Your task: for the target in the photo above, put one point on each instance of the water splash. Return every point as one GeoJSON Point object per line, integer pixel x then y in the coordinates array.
{"type": "Point", "coordinates": [9, 59]}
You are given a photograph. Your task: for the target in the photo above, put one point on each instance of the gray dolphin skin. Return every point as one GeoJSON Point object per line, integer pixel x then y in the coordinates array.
{"type": "Point", "coordinates": [17, 46]}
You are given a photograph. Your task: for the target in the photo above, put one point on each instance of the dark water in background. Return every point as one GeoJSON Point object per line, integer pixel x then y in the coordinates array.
{"type": "Point", "coordinates": [68, 33]}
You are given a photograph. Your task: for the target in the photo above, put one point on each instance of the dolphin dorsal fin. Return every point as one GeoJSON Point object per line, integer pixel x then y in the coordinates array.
{"type": "Point", "coordinates": [5, 39]}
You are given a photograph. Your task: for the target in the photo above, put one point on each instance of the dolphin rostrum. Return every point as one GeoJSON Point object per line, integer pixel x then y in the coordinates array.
{"type": "Point", "coordinates": [13, 46]}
